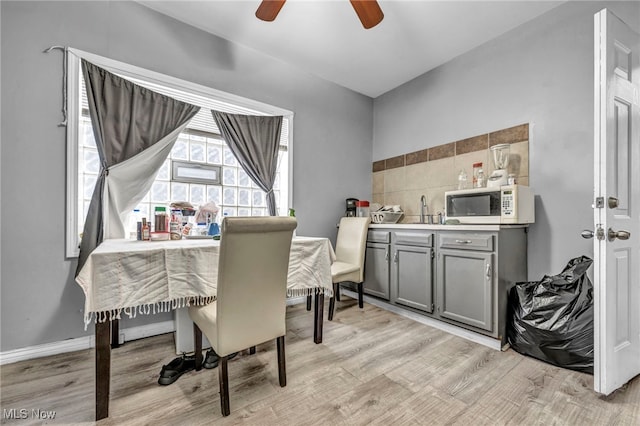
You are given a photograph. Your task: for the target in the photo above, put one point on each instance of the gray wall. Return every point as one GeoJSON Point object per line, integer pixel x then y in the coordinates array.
{"type": "Point", "coordinates": [40, 301]}
{"type": "Point", "coordinates": [539, 73]}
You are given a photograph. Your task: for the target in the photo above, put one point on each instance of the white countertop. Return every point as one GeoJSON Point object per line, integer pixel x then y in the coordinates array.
{"type": "Point", "coordinates": [432, 227]}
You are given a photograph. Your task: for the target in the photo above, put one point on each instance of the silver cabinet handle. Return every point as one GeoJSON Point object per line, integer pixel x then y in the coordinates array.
{"type": "Point", "coordinates": [395, 257]}
{"type": "Point", "coordinates": [386, 255]}
{"type": "Point", "coordinates": [463, 241]}
{"type": "Point", "coordinates": [488, 272]}
{"type": "Point", "coordinates": [621, 235]}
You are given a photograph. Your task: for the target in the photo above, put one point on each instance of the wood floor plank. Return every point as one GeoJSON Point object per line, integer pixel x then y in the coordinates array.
{"type": "Point", "coordinates": [373, 367]}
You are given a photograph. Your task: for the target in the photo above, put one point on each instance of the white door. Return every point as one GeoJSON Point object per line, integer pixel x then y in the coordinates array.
{"type": "Point", "coordinates": [617, 207]}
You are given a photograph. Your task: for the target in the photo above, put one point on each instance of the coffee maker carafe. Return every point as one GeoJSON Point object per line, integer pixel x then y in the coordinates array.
{"type": "Point", "coordinates": [351, 207]}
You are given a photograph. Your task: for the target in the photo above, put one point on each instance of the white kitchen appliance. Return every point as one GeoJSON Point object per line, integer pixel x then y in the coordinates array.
{"type": "Point", "coordinates": [508, 204]}
{"type": "Point", "coordinates": [500, 155]}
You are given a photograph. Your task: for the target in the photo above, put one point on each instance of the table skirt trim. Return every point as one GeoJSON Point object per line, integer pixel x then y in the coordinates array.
{"type": "Point", "coordinates": [146, 309]}
{"type": "Point", "coordinates": [301, 292]}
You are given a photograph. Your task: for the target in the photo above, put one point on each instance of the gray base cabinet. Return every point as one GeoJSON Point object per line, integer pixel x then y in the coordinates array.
{"type": "Point", "coordinates": [459, 276]}
{"type": "Point", "coordinates": [465, 284]}
{"type": "Point", "coordinates": [376, 265]}
{"type": "Point", "coordinates": [412, 270]}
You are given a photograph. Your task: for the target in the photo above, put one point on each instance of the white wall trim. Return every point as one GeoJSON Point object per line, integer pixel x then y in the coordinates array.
{"type": "Point", "coordinates": [446, 327]}
{"type": "Point", "coordinates": [81, 343]}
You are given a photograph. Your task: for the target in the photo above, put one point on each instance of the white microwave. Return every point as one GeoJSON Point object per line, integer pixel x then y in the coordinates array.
{"type": "Point", "coordinates": [509, 204]}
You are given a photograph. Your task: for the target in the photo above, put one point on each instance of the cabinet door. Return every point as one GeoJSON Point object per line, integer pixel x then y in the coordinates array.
{"type": "Point", "coordinates": [376, 270]}
{"type": "Point", "coordinates": [465, 280]}
{"type": "Point", "coordinates": [412, 277]}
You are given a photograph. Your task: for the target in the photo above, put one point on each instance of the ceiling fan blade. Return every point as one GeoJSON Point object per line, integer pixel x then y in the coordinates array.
{"type": "Point", "coordinates": [368, 11]}
{"type": "Point", "coordinates": [269, 9]}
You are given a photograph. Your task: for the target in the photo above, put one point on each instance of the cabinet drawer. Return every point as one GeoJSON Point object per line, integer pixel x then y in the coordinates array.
{"type": "Point", "coordinates": [467, 241]}
{"type": "Point", "coordinates": [378, 237]}
{"type": "Point", "coordinates": [413, 238]}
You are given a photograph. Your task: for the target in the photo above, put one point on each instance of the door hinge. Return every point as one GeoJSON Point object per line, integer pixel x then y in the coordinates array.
{"type": "Point", "coordinates": [599, 202]}
{"type": "Point", "coordinates": [432, 307]}
{"type": "Point", "coordinates": [433, 254]}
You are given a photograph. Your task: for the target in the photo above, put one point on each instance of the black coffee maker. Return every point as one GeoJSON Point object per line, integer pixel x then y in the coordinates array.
{"type": "Point", "coordinates": [351, 207]}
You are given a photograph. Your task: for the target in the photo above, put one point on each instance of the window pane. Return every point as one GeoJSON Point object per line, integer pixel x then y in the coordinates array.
{"type": "Point", "coordinates": [214, 154]}
{"type": "Point", "coordinates": [229, 211]}
{"type": "Point", "coordinates": [180, 149]}
{"type": "Point", "coordinates": [276, 183]}
{"type": "Point", "coordinates": [229, 196]}
{"type": "Point", "coordinates": [179, 191]}
{"type": "Point", "coordinates": [160, 192]}
{"type": "Point", "coordinates": [89, 185]}
{"type": "Point", "coordinates": [164, 172]}
{"type": "Point", "coordinates": [244, 197]}
{"type": "Point", "coordinates": [86, 135]}
{"type": "Point", "coordinates": [243, 178]}
{"type": "Point", "coordinates": [197, 194]}
{"type": "Point", "coordinates": [197, 151]}
{"type": "Point", "coordinates": [229, 159]}
{"type": "Point", "coordinates": [258, 212]}
{"type": "Point", "coordinates": [214, 194]}
{"type": "Point", "coordinates": [229, 176]}
{"type": "Point", "coordinates": [258, 199]}
{"type": "Point", "coordinates": [91, 161]}
{"type": "Point", "coordinates": [244, 212]}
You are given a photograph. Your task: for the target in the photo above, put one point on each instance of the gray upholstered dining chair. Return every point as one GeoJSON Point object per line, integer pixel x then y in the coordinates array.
{"type": "Point", "coordinates": [251, 293]}
{"type": "Point", "coordinates": [351, 245]}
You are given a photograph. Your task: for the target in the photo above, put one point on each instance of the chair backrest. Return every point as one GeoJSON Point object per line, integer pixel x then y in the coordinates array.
{"type": "Point", "coordinates": [351, 242]}
{"type": "Point", "coordinates": [252, 281]}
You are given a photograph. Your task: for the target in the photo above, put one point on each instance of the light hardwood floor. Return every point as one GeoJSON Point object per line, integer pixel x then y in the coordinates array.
{"type": "Point", "coordinates": [374, 367]}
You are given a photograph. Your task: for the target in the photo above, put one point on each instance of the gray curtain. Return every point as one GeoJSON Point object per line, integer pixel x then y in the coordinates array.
{"type": "Point", "coordinates": [255, 141]}
{"type": "Point", "coordinates": [135, 129]}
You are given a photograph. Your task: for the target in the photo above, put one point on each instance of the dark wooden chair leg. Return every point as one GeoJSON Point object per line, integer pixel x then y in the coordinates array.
{"type": "Point", "coordinates": [223, 376]}
{"type": "Point", "coordinates": [103, 368]}
{"type": "Point", "coordinates": [336, 291]}
{"type": "Point", "coordinates": [197, 346]}
{"type": "Point", "coordinates": [360, 296]}
{"type": "Point", "coordinates": [332, 301]}
{"type": "Point", "coordinates": [115, 333]}
{"type": "Point", "coordinates": [252, 350]}
{"type": "Point", "coordinates": [317, 318]}
{"type": "Point", "coordinates": [308, 302]}
{"type": "Point", "coordinates": [282, 367]}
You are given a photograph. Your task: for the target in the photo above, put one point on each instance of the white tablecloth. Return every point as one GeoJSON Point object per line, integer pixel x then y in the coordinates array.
{"type": "Point", "coordinates": [158, 276]}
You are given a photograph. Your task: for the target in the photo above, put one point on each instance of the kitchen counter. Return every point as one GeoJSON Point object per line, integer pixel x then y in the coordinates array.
{"type": "Point", "coordinates": [434, 227]}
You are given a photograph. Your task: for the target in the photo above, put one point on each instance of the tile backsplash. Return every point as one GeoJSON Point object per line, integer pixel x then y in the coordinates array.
{"type": "Point", "coordinates": [430, 172]}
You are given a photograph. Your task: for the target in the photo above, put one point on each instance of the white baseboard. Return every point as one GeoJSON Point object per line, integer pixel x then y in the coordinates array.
{"type": "Point", "coordinates": [440, 325]}
{"type": "Point", "coordinates": [81, 343]}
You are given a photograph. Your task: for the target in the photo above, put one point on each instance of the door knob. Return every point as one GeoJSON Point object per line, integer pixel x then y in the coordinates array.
{"type": "Point", "coordinates": [613, 202]}
{"type": "Point", "coordinates": [621, 235]}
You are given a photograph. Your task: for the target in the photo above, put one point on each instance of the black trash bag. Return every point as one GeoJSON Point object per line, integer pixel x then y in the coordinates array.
{"type": "Point", "coordinates": [552, 319]}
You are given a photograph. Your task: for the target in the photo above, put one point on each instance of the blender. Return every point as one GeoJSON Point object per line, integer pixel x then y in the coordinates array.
{"type": "Point", "coordinates": [500, 175]}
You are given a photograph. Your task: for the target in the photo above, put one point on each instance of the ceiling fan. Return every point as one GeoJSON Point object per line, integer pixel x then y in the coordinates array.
{"type": "Point", "coordinates": [368, 11]}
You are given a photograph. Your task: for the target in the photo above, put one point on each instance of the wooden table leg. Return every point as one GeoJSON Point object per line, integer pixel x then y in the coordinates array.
{"type": "Point", "coordinates": [103, 368]}
{"type": "Point", "coordinates": [317, 318]}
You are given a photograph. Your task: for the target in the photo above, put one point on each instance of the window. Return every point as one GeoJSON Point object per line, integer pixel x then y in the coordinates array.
{"type": "Point", "coordinates": [201, 167]}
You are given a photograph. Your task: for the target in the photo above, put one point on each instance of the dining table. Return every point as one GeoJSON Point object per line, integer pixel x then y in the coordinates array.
{"type": "Point", "coordinates": [130, 277]}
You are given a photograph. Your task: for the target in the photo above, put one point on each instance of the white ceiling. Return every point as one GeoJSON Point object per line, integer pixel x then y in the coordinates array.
{"type": "Point", "coordinates": [325, 38]}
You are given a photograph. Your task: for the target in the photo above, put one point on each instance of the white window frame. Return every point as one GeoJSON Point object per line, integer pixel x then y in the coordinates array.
{"type": "Point", "coordinates": [127, 70]}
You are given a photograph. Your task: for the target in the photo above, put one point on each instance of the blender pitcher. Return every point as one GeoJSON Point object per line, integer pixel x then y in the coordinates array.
{"type": "Point", "coordinates": [500, 155]}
